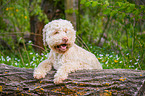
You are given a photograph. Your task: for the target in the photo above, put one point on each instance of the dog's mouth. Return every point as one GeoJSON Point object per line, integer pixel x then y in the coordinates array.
{"type": "Point", "coordinates": [62, 47]}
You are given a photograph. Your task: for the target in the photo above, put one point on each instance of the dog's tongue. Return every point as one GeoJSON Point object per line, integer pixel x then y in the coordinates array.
{"type": "Point", "coordinates": [63, 47]}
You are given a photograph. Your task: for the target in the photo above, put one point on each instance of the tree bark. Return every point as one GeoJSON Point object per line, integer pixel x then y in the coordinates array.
{"type": "Point", "coordinates": [53, 11]}
{"type": "Point", "coordinates": [71, 5]}
{"type": "Point", "coordinates": [121, 82]}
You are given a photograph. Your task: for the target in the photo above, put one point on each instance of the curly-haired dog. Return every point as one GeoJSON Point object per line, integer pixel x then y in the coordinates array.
{"type": "Point", "coordinates": [65, 56]}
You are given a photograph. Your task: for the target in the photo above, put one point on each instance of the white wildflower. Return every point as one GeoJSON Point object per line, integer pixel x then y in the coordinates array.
{"type": "Point", "coordinates": [101, 55]}
{"type": "Point", "coordinates": [31, 53]}
{"type": "Point", "coordinates": [111, 55]}
{"type": "Point", "coordinates": [16, 63]}
{"type": "Point", "coordinates": [106, 62]}
{"type": "Point", "coordinates": [8, 59]}
{"type": "Point", "coordinates": [42, 54]}
{"type": "Point", "coordinates": [36, 54]}
{"type": "Point", "coordinates": [127, 54]}
{"type": "Point", "coordinates": [120, 62]}
{"type": "Point", "coordinates": [29, 41]}
{"type": "Point", "coordinates": [42, 58]}
{"type": "Point", "coordinates": [116, 56]}
{"type": "Point", "coordinates": [3, 59]}
{"type": "Point", "coordinates": [107, 54]}
{"type": "Point", "coordinates": [31, 62]}
{"type": "Point", "coordinates": [33, 59]}
{"type": "Point", "coordinates": [135, 63]}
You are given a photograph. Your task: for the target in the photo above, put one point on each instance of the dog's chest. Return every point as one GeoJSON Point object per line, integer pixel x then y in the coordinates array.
{"type": "Point", "coordinates": [57, 61]}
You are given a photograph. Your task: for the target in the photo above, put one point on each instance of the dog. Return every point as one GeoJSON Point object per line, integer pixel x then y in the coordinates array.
{"type": "Point", "coordinates": [65, 56]}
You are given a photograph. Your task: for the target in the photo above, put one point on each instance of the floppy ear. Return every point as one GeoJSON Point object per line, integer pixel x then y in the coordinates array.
{"type": "Point", "coordinates": [44, 36]}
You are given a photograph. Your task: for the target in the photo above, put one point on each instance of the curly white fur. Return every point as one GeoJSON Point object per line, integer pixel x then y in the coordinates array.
{"type": "Point", "coordinates": [65, 56]}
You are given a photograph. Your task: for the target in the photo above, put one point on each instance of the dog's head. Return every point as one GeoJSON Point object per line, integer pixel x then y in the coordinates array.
{"type": "Point", "coordinates": [59, 35]}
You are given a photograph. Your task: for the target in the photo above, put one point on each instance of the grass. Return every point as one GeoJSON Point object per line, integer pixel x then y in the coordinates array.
{"type": "Point", "coordinates": [111, 60]}
{"type": "Point", "coordinates": [28, 58]}
{"type": "Point", "coordinates": [23, 57]}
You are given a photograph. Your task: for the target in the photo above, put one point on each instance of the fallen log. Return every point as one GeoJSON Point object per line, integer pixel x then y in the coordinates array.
{"type": "Point", "coordinates": [119, 82]}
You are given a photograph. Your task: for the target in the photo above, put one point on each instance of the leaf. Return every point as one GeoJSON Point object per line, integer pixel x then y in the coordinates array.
{"type": "Point", "coordinates": [118, 4]}
{"type": "Point", "coordinates": [139, 17]}
{"type": "Point", "coordinates": [94, 3]}
{"type": "Point", "coordinates": [88, 4]}
{"type": "Point", "coordinates": [132, 6]}
{"type": "Point", "coordinates": [142, 6]}
{"type": "Point", "coordinates": [83, 2]}
{"type": "Point", "coordinates": [107, 3]}
{"type": "Point", "coordinates": [143, 17]}
{"type": "Point", "coordinates": [114, 12]}
{"type": "Point", "coordinates": [136, 12]}
{"type": "Point", "coordinates": [106, 11]}
{"type": "Point", "coordinates": [123, 15]}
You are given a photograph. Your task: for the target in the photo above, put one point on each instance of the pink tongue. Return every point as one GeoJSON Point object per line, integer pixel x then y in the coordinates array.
{"type": "Point", "coordinates": [63, 47]}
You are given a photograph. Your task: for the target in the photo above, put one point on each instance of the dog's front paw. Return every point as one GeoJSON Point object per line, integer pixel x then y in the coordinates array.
{"type": "Point", "coordinates": [59, 78]}
{"type": "Point", "coordinates": [39, 75]}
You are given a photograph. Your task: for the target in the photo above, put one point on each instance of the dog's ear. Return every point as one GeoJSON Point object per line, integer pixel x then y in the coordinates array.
{"type": "Point", "coordinates": [44, 36]}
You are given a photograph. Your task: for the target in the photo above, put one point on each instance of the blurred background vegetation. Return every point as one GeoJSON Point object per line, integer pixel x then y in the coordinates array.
{"type": "Point", "coordinates": [114, 30]}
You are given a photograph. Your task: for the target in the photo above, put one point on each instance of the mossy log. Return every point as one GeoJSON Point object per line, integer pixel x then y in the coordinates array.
{"type": "Point", "coordinates": [108, 82]}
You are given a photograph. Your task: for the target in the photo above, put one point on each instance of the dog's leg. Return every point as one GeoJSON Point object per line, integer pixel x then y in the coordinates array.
{"type": "Point", "coordinates": [42, 69]}
{"type": "Point", "coordinates": [63, 72]}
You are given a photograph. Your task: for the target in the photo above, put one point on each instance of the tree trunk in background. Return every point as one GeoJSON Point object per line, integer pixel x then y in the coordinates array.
{"type": "Point", "coordinates": [108, 82]}
{"type": "Point", "coordinates": [53, 11]}
{"type": "Point", "coordinates": [36, 33]}
{"type": "Point", "coordinates": [71, 5]}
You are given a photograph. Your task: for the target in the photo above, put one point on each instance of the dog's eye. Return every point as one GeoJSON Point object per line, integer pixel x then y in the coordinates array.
{"type": "Point", "coordinates": [56, 32]}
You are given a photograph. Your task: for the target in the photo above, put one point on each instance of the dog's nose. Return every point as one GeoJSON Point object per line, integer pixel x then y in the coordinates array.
{"type": "Point", "coordinates": [65, 39]}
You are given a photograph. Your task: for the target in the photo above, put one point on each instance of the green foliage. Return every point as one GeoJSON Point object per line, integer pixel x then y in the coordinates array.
{"type": "Point", "coordinates": [16, 14]}
{"type": "Point", "coordinates": [122, 21]}
{"type": "Point", "coordinates": [15, 19]}
{"type": "Point", "coordinates": [35, 10]}
{"type": "Point", "coordinates": [23, 57]}
{"type": "Point", "coordinates": [126, 22]}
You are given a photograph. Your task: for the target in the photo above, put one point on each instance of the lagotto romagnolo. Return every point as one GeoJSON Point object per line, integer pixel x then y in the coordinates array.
{"type": "Point", "coordinates": [65, 56]}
